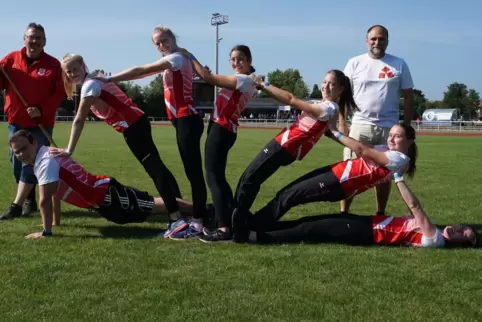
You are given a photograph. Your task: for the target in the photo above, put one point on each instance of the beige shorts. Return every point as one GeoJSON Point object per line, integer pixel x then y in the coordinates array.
{"type": "Point", "coordinates": [366, 134]}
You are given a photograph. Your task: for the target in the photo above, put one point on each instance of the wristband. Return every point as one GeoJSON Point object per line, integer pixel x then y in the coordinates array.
{"type": "Point", "coordinates": [191, 57]}
{"type": "Point", "coordinates": [46, 232]}
{"type": "Point", "coordinates": [266, 84]}
{"type": "Point", "coordinates": [397, 177]}
{"type": "Point", "coordinates": [339, 135]}
{"type": "Point", "coordinates": [108, 78]}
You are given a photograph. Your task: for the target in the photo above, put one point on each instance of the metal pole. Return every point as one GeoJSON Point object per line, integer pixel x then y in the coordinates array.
{"type": "Point", "coordinates": [217, 60]}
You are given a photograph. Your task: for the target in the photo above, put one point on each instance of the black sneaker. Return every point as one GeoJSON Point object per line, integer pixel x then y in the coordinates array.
{"type": "Point", "coordinates": [240, 227]}
{"type": "Point", "coordinates": [13, 211]}
{"type": "Point", "coordinates": [217, 236]}
{"type": "Point", "coordinates": [29, 206]}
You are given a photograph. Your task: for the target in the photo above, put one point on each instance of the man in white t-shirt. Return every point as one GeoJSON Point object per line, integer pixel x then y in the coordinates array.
{"type": "Point", "coordinates": [377, 79]}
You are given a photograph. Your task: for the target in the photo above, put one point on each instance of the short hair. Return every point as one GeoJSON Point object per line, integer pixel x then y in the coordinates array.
{"type": "Point", "coordinates": [35, 26]}
{"type": "Point", "coordinates": [385, 30]}
{"type": "Point", "coordinates": [21, 134]}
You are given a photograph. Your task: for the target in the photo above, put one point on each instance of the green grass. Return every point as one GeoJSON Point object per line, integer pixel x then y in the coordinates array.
{"type": "Point", "coordinates": [95, 270]}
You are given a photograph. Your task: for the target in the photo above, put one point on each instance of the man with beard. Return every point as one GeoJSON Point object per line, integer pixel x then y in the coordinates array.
{"type": "Point", "coordinates": [377, 79]}
{"type": "Point", "coordinates": [38, 78]}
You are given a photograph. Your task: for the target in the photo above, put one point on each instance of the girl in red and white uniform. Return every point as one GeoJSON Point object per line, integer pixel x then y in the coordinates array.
{"type": "Point", "coordinates": [414, 230]}
{"type": "Point", "coordinates": [236, 92]}
{"type": "Point", "coordinates": [344, 179]}
{"type": "Point", "coordinates": [294, 142]}
{"type": "Point", "coordinates": [177, 82]}
{"type": "Point", "coordinates": [109, 103]}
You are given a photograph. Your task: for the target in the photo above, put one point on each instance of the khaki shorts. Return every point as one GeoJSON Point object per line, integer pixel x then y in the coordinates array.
{"type": "Point", "coordinates": [366, 134]}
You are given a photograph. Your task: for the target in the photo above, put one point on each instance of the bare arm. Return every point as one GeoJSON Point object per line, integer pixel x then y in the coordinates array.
{"type": "Point", "coordinates": [361, 149]}
{"type": "Point", "coordinates": [413, 204]}
{"type": "Point", "coordinates": [47, 192]}
{"type": "Point", "coordinates": [141, 71]}
{"type": "Point", "coordinates": [407, 105]}
{"type": "Point", "coordinates": [342, 115]}
{"type": "Point", "coordinates": [79, 121]}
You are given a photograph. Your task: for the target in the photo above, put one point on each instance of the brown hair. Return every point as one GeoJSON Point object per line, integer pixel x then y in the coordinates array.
{"type": "Point", "coordinates": [346, 96]}
{"type": "Point", "coordinates": [166, 30]}
{"type": "Point", "coordinates": [412, 149]}
{"type": "Point", "coordinates": [68, 84]}
{"type": "Point", "coordinates": [246, 51]}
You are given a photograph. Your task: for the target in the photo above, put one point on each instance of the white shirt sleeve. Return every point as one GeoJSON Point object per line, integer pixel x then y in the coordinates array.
{"type": "Point", "coordinates": [348, 71]}
{"type": "Point", "coordinates": [406, 79]}
{"type": "Point", "coordinates": [175, 59]}
{"type": "Point", "coordinates": [435, 241]}
{"type": "Point", "coordinates": [245, 83]}
{"type": "Point", "coordinates": [47, 171]}
{"type": "Point", "coordinates": [397, 160]}
{"type": "Point", "coordinates": [90, 88]}
{"type": "Point", "coordinates": [329, 110]}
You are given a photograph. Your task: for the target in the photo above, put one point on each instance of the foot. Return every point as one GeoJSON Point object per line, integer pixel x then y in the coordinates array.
{"type": "Point", "coordinates": [240, 227]}
{"type": "Point", "coordinates": [217, 236]}
{"type": "Point", "coordinates": [13, 211]}
{"type": "Point", "coordinates": [29, 206]}
{"type": "Point", "coordinates": [190, 232]}
{"type": "Point", "coordinates": [175, 226]}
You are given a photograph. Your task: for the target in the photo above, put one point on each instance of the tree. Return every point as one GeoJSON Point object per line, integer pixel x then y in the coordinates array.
{"type": "Point", "coordinates": [290, 80]}
{"type": "Point", "coordinates": [134, 92]}
{"type": "Point", "coordinates": [419, 103]}
{"type": "Point", "coordinates": [316, 92]}
{"type": "Point", "coordinates": [195, 76]}
{"type": "Point", "coordinates": [460, 97]}
{"type": "Point", "coordinates": [154, 98]}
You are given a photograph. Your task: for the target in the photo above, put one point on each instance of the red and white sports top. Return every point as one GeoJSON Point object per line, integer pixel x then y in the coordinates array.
{"type": "Point", "coordinates": [76, 186]}
{"type": "Point", "coordinates": [178, 87]}
{"type": "Point", "coordinates": [361, 174]}
{"type": "Point", "coordinates": [111, 104]}
{"type": "Point", "coordinates": [230, 104]}
{"type": "Point", "coordinates": [304, 133]}
{"type": "Point", "coordinates": [403, 231]}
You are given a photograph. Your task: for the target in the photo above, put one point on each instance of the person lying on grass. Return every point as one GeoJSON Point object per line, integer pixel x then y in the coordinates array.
{"type": "Point", "coordinates": [63, 178]}
{"type": "Point", "coordinates": [415, 229]}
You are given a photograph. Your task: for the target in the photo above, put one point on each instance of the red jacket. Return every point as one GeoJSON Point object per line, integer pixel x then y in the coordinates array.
{"type": "Point", "coordinates": [40, 84]}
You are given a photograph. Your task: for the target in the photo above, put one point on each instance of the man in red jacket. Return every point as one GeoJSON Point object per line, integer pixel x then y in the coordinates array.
{"type": "Point", "coordinates": [38, 77]}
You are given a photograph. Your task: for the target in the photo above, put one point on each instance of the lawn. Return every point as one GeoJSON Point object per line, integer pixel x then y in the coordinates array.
{"type": "Point", "coordinates": [94, 270]}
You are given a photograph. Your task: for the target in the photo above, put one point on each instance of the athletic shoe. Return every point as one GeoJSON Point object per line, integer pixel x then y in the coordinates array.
{"type": "Point", "coordinates": [240, 227]}
{"type": "Point", "coordinates": [13, 211]}
{"type": "Point", "coordinates": [187, 233]}
{"type": "Point", "coordinates": [217, 236]}
{"type": "Point", "coordinates": [29, 206]}
{"type": "Point", "coordinates": [175, 226]}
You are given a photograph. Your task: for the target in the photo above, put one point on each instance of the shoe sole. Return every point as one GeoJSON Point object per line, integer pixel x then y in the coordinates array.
{"type": "Point", "coordinates": [178, 228]}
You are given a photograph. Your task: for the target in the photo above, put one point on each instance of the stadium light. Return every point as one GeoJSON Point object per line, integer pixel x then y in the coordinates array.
{"type": "Point", "coordinates": [218, 19]}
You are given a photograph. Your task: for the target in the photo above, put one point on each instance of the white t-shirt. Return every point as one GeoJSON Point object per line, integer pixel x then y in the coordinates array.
{"type": "Point", "coordinates": [176, 59]}
{"type": "Point", "coordinates": [436, 241]}
{"type": "Point", "coordinates": [376, 85]}
{"type": "Point", "coordinates": [90, 87]}
{"type": "Point", "coordinates": [397, 161]}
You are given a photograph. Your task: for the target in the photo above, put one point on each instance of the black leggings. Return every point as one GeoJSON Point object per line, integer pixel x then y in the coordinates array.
{"type": "Point", "coordinates": [315, 186]}
{"type": "Point", "coordinates": [189, 130]}
{"type": "Point", "coordinates": [218, 144]}
{"type": "Point", "coordinates": [138, 137]}
{"type": "Point", "coordinates": [268, 161]}
{"type": "Point", "coordinates": [346, 229]}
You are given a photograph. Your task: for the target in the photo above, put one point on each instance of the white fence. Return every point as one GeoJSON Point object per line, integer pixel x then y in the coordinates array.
{"type": "Point", "coordinates": [441, 126]}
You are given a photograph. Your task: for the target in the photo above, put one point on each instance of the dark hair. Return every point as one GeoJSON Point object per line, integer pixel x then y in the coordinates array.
{"type": "Point", "coordinates": [21, 134]}
{"type": "Point", "coordinates": [412, 149]}
{"type": "Point", "coordinates": [346, 96]}
{"type": "Point", "coordinates": [385, 30]}
{"type": "Point", "coordinates": [246, 51]}
{"type": "Point", "coordinates": [35, 26]}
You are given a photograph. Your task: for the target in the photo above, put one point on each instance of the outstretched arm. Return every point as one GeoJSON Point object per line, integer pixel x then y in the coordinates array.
{"type": "Point", "coordinates": [138, 71]}
{"type": "Point", "coordinates": [413, 204]}
{"type": "Point", "coordinates": [47, 193]}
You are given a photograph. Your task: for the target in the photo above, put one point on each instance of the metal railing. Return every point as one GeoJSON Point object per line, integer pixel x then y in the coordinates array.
{"type": "Point", "coordinates": [441, 126]}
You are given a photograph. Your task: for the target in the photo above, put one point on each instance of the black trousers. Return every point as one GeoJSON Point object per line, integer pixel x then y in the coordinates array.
{"type": "Point", "coordinates": [138, 137]}
{"type": "Point", "coordinates": [346, 229]}
{"type": "Point", "coordinates": [189, 130]}
{"type": "Point", "coordinates": [267, 162]}
{"type": "Point", "coordinates": [315, 186]}
{"type": "Point", "coordinates": [218, 143]}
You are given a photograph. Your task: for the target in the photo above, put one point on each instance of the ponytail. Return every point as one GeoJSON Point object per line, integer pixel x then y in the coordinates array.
{"type": "Point", "coordinates": [253, 69]}
{"type": "Point", "coordinates": [412, 149]}
{"type": "Point", "coordinates": [346, 96]}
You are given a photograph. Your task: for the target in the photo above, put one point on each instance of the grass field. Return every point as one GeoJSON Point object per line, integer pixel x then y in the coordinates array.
{"type": "Point", "coordinates": [94, 270]}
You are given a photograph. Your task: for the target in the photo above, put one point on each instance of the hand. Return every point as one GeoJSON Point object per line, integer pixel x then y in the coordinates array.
{"type": "Point", "coordinates": [34, 112]}
{"type": "Point", "coordinates": [184, 52]}
{"type": "Point", "coordinates": [58, 152]}
{"type": "Point", "coordinates": [35, 235]}
{"type": "Point", "coordinates": [259, 81]}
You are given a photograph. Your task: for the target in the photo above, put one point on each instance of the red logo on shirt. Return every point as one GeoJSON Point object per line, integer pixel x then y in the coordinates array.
{"type": "Point", "coordinates": [386, 73]}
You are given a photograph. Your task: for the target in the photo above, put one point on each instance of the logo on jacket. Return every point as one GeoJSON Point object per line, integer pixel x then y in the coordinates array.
{"type": "Point", "coordinates": [41, 72]}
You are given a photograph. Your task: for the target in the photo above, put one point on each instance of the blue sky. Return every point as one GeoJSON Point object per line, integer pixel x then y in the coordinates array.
{"type": "Point", "coordinates": [440, 40]}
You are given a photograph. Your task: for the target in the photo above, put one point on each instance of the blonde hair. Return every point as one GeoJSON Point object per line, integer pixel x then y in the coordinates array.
{"type": "Point", "coordinates": [166, 30]}
{"type": "Point", "coordinates": [68, 84]}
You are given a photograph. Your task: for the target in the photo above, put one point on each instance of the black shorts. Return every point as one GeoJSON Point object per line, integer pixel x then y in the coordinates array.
{"type": "Point", "coordinates": [123, 205]}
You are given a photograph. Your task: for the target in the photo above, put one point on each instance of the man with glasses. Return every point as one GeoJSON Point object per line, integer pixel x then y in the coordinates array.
{"type": "Point", "coordinates": [38, 78]}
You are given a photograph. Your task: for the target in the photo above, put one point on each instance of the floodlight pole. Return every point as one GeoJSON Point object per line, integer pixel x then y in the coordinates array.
{"type": "Point", "coordinates": [216, 20]}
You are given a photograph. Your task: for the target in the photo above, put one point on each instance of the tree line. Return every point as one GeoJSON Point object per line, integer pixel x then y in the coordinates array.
{"type": "Point", "coordinates": [150, 98]}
